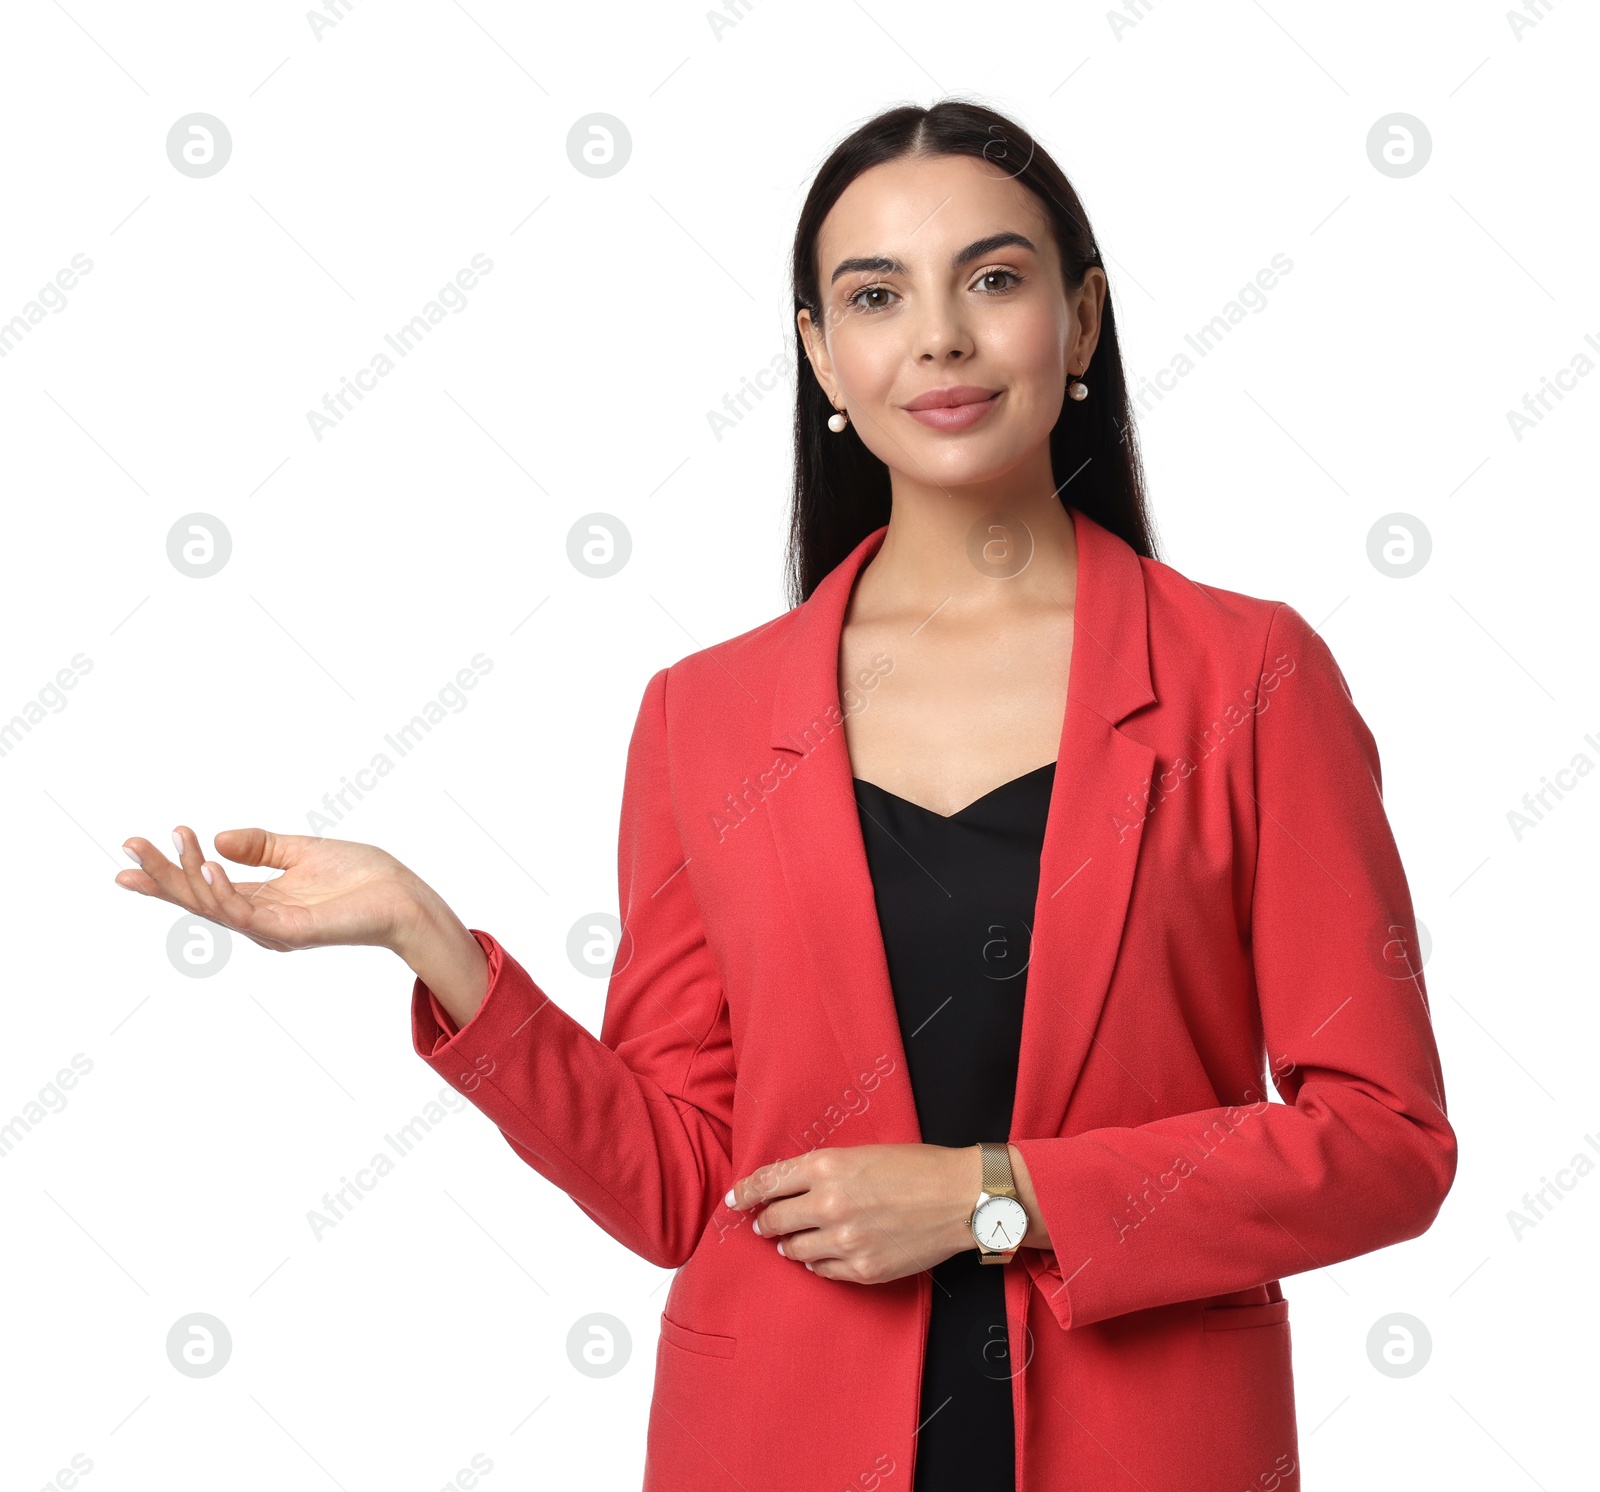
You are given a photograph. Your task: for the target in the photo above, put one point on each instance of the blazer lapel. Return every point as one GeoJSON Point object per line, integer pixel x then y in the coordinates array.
{"type": "Point", "coordinates": [1093, 831]}
{"type": "Point", "coordinates": [1091, 839]}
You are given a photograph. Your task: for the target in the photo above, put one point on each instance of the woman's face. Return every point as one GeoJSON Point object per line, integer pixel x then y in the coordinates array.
{"type": "Point", "coordinates": [941, 273]}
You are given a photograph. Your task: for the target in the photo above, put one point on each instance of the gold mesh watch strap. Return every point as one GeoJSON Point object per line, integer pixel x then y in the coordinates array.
{"type": "Point", "coordinates": [997, 1171]}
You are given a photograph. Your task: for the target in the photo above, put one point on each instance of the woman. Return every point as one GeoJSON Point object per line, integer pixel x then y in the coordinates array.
{"type": "Point", "coordinates": [967, 906]}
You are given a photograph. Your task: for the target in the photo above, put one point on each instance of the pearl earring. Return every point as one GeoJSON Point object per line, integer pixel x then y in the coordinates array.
{"type": "Point", "coordinates": [1076, 387]}
{"type": "Point", "coordinates": [837, 421]}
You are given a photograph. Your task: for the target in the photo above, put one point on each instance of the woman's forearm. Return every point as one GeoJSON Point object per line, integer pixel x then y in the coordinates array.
{"type": "Point", "coordinates": [446, 957]}
{"type": "Point", "coordinates": [1038, 1234]}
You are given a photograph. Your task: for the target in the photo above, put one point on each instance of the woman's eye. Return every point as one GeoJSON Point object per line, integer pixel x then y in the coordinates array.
{"type": "Point", "coordinates": [1008, 274]}
{"type": "Point", "coordinates": [855, 300]}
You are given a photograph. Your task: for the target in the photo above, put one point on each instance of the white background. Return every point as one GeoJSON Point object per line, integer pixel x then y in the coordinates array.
{"type": "Point", "coordinates": [367, 168]}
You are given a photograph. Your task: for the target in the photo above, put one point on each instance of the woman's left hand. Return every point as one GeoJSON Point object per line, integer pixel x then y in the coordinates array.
{"type": "Point", "coordinates": [866, 1213]}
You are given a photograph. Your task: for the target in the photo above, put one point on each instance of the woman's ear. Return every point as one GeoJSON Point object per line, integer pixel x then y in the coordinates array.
{"type": "Point", "coordinates": [1090, 312]}
{"type": "Point", "coordinates": [816, 349]}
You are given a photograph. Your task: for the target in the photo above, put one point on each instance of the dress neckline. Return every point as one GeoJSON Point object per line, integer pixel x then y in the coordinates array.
{"type": "Point", "coordinates": [993, 792]}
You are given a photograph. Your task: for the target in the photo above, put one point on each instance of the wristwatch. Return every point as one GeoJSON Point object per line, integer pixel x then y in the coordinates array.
{"type": "Point", "coordinates": [999, 1221]}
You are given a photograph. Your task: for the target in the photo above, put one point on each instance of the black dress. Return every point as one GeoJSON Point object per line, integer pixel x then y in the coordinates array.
{"type": "Point", "coordinates": [955, 898]}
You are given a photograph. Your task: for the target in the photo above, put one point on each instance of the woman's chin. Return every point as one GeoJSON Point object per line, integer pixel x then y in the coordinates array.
{"type": "Point", "coordinates": [940, 462]}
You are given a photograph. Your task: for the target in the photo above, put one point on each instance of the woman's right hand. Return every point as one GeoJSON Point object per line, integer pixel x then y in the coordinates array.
{"type": "Point", "coordinates": [331, 890]}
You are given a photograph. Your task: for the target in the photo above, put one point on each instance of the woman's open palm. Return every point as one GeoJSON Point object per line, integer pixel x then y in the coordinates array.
{"type": "Point", "coordinates": [331, 891]}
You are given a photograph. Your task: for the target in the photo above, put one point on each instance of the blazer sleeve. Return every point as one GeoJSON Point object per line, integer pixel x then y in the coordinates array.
{"type": "Point", "coordinates": [1360, 1154]}
{"type": "Point", "coordinates": [634, 1125]}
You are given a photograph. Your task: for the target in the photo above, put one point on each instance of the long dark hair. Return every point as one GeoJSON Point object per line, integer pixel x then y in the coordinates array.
{"type": "Point", "coordinates": [841, 490]}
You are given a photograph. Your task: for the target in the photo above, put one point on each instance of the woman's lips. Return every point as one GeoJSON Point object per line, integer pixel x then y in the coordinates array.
{"type": "Point", "coordinates": [957, 416]}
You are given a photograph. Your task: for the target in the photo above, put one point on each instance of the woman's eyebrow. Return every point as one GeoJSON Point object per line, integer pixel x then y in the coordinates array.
{"type": "Point", "coordinates": [881, 264]}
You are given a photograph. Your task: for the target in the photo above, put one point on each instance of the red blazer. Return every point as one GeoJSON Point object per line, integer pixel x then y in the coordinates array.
{"type": "Point", "coordinates": [1220, 897]}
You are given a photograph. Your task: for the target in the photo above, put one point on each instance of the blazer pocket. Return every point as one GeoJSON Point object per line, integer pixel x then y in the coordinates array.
{"type": "Point", "coordinates": [706, 1342]}
{"type": "Point", "coordinates": [1235, 1317]}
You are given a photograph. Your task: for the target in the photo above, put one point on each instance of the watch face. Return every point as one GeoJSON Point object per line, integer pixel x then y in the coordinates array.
{"type": "Point", "coordinates": [1000, 1224]}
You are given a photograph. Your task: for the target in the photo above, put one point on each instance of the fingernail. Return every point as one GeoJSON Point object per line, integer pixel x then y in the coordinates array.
{"type": "Point", "coordinates": [133, 856]}
{"type": "Point", "coordinates": [780, 1245]}
{"type": "Point", "coordinates": [808, 1266]}
{"type": "Point", "coordinates": [728, 1200]}
{"type": "Point", "coordinates": [205, 870]}
{"type": "Point", "coordinates": [177, 839]}
{"type": "Point", "coordinates": [755, 1225]}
